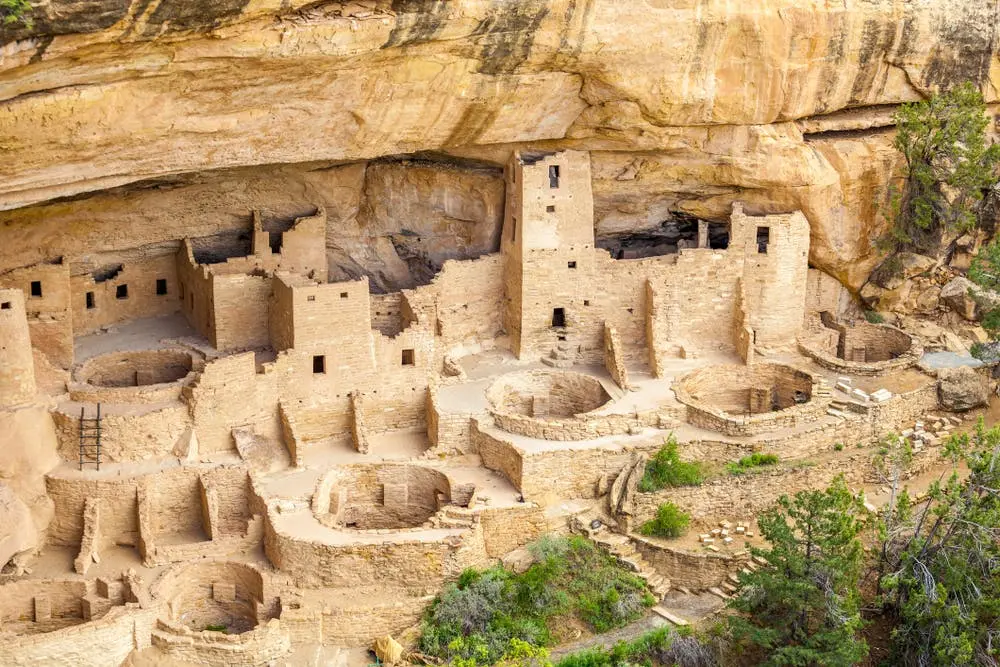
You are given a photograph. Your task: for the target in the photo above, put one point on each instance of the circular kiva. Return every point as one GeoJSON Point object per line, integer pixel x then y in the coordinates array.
{"type": "Point", "coordinates": [380, 496]}
{"type": "Point", "coordinates": [135, 369]}
{"type": "Point", "coordinates": [547, 394]}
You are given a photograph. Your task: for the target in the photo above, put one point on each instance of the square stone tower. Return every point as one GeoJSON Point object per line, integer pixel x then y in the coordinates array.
{"type": "Point", "coordinates": [548, 249]}
{"type": "Point", "coordinates": [17, 369]}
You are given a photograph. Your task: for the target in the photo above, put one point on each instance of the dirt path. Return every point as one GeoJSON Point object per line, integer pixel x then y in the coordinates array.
{"type": "Point", "coordinates": [609, 639]}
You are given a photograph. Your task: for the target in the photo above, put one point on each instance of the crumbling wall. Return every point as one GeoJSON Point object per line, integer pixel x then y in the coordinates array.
{"type": "Point", "coordinates": [50, 317]}
{"type": "Point", "coordinates": [131, 293]}
{"type": "Point", "coordinates": [17, 369]}
{"type": "Point", "coordinates": [613, 361]}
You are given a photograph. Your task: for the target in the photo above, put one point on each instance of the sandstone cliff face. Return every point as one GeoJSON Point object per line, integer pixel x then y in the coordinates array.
{"type": "Point", "coordinates": [686, 105]}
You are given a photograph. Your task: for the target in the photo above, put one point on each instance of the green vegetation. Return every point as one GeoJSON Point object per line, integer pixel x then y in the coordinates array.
{"type": "Point", "coordinates": [15, 11]}
{"type": "Point", "coordinates": [217, 628]}
{"type": "Point", "coordinates": [803, 608]}
{"type": "Point", "coordinates": [874, 317]}
{"type": "Point", "coordinates": [985, 272]}
{"type": "Point", "coordinates": [948, 166]}
{"type": "Point", "coordinates": [666, 469]}
{"type": "Point", "coordinates": [838, 447]}
{"type": "Point", "coordinates": [940, 579]}
{"type": "Point", "coordinates": [670, 521]}
{"type": "Point", "coordinates": [665, 646]}
{"type": "Point", "coordinates": [751, 463]}
{"type": "Point", "coordinates": [480, 617]}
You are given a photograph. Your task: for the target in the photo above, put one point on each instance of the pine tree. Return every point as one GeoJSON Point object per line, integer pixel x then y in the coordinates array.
{"type": "Point", "coordinates": [802, 608]}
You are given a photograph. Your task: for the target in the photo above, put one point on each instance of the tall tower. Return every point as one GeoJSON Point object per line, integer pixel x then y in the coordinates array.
{"type": "Point", "coordinates": [775, 269]}
{"type": "Point", "coordinates": [548, 248]}
{"type": "Point", "coordinates": [17, 369]}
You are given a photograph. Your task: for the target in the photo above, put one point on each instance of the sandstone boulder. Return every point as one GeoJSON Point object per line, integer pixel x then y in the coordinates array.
{"type": "Point", "coordinates": [968, 299]}
{"type": "Point", "coordinates": [961, 389]}
{"type": "Point", "coordinates": [899, 268]}
{"type": "Point", "coordinates": [18, 534]}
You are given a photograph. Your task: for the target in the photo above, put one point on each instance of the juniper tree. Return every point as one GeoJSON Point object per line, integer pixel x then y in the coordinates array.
{"type": "Point", "coordinates": [15, 11]}
{"type": "Point", "coordinates": [943, 585]}
{"type": "Point", "coordinates": [802, 608]}
{"type": "Point", "coordinates": [948, 165]}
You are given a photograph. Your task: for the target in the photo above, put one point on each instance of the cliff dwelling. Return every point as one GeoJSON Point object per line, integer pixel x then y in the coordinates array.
{"type": "Point", "coordinates": [290, 353]}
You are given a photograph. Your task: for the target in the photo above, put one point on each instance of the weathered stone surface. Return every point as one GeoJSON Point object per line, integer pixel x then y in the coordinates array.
{"type": "Point", "coordinates": [899, 268]}
{"type": "Point", "coordinates": [18, 534]}
{"type": "Point", "coordinates": [968, 299]}
{"type": "Point", "coordinates": [106, 92]}
{"type": "Point", "coordinates": [962, 389]}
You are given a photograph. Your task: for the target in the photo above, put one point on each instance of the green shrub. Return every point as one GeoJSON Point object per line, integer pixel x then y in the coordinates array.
{"type": "Point", "coordinates": [874, 317]}
{"type": "Point", "coordinates": [839, 447]}
{"type": "Point", "coordinates": [217, 628]}
{"type": "Point", "coordinates": [15, 11]}
{"type": "Point", "coordinates": [666, 469]}
{"type": "Point", "coordinates": [479, 619]}
{"type": "Point", "coordinates": [663, 646]}
{"type": "Point", "coordinates": [670, 521]}
{"type": "Point", "coordinates": [751, 463]}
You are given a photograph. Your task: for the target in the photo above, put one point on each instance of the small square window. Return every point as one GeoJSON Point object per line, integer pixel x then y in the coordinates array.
{"type": "Point", "coordinates": [586, 302]}
{"type": "Point", "coordinates": [5, 305]}
{"type": "Point", "coordinates": [311, 297]}
{"type": "Point", "coordinates": [121, 292]}
{"type": "Point", "coordinates": [319, 364]}
{"type": "Point", "coordinates": [161, 286]}
{"type": "Point", "coordinates": [571, 265]}
{"type": "Point", "coordinates": [36, 288]}
{"type": "Point", "coordinates": [408, 357]}
{"type": "Point", "coordinates": [343, 295]}
{"type": "Point", "coordinates": [90, 301]}
{"type": "Point", "coordinates": [550, 209]}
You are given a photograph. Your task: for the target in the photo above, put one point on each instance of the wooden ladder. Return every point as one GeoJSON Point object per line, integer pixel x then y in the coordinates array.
{"type": "Point", "coordinates": [90, 438]}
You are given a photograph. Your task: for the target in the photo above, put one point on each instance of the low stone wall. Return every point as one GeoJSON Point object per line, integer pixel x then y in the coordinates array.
{"type": "Point", "coordinates": [106, 641]}
{"type": "Point", "coordinates": [582, 427]}
{"type": "Point", "coordinates": [732, 410]}
{"type": "Point", "coordinates": [447, 430]}
{"type": "Point", "coordinates": [887, 349]}
{"type": "Point", "coordinates": [139, 433]}
{"type": "Point", "coordinates": [260, 647]}
{"type": "Point", "coordinates": [355, 620]}
{"type": "Point", "coordinates": [694, 570]}
{"type": "Point", "coordinates": [550, 474]}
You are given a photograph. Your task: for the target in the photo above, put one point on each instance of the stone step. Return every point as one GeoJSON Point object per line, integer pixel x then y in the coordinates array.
{"type": "Point", "coordinates": [718, 592]}
{"type": "Point", "coordinates": [673, 618]}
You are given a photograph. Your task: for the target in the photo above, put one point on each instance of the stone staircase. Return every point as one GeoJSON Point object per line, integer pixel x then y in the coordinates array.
{"type": "Point", "coordinates": [561, 356]}
{"type": "Point", "coordinates": [620, 546]}
{"type": "Point", "coordinates": [452, 516]}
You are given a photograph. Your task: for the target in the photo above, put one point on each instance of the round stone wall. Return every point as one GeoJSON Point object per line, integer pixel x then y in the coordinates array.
{"type": "Point", "coordinates": [547, 394]}
{"type": "Point", "coordinates": [384, 496]}
{"type": "Point", "coordinates": [746, 400]}
{"type": "Point", "coordinates": [135, 369]}
{"type": "Point", "coordinates": [861, 348]}
{"type": "Point", "coordinates": [212, 595]}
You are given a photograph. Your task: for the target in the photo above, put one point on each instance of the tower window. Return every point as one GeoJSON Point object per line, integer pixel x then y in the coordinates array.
{"type": "Point", "coordinates": [763, 238]}
{"type": "Point", "coordinates": [408, 357]}
{"type": "Point", "coordinates": [558, 317]}
{"type": "Point", "coordinates": [121, 292]}
{"type": "Point", "coordinates": [554, 176]}
{"type": "Point", "coordinates": [36, 288]}
{"type": "Point", "coordinates": [571, 265]}
{"type": "Point", "coordinates": [550, 209]}
{"type": "Point", "coordinates": [5, 305]}
{"type": "Point", "coordinates": [161, 286]}
{"type": "Point", "coordinates": [319, 364]}
{"type": "Point", "coordinates": [311, 297]}
{"type": "Point", "coordinates": [90, 301]}
{"type": "Point", "coordinates": [343, 295]}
